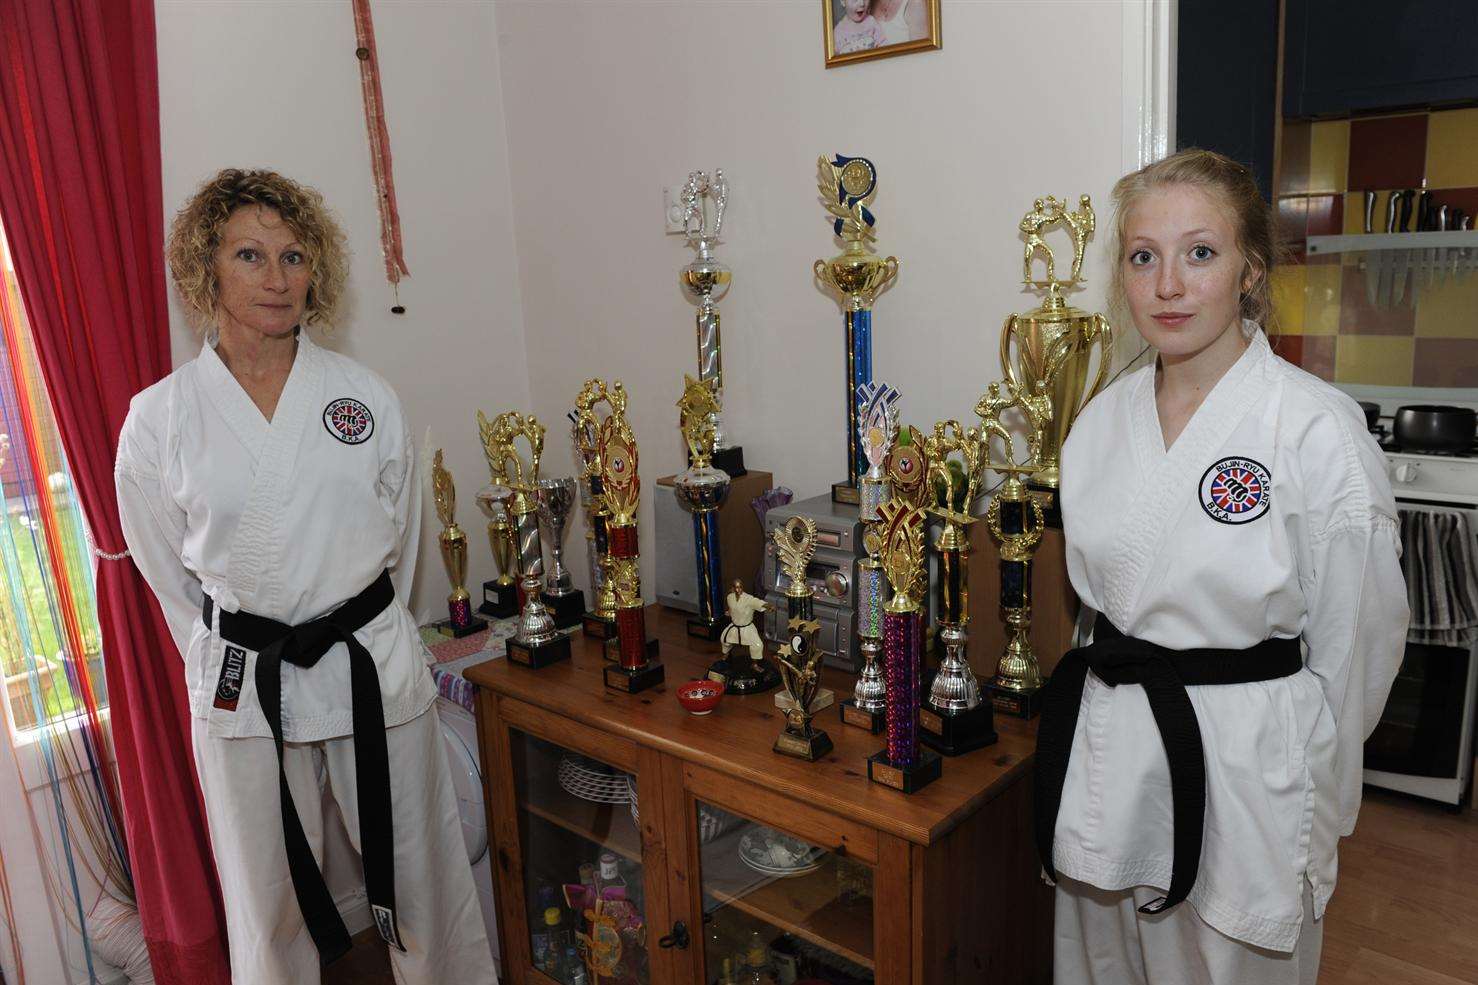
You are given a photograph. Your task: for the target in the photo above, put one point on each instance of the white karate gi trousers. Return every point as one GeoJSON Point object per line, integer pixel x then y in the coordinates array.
{"type": "Point", "coordinates": [1101, 938]}
{"type": "Point", "coordinates": [440, 920]}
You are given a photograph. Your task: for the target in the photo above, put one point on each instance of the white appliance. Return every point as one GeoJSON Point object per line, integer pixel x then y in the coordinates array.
{"type": "Point", "coordinates": [1424, 742]}
{"type": "Point", "coordinates": [459, 738]}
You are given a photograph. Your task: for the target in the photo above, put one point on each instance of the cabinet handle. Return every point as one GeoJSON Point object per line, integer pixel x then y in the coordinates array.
{"type": "Point", "coordinates": [678, 938]}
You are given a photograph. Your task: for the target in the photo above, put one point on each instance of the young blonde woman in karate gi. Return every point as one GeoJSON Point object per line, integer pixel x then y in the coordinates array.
{"type": "Point", "coordinates": [1229, 520]}
{"type": "Point", "coordinates": [269, 496]}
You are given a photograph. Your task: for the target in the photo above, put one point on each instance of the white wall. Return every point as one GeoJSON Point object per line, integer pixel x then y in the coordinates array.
{"type": "Point", "coordinates": [610, 100]}
{"type": "Point", "coordinates": [245, 83]}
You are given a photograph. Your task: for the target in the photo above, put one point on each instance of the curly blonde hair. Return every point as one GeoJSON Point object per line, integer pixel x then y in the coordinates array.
{"type": "Point", "coordinates": [1233, 186]}
{"type": "Point", "coordinates": [195, 235]}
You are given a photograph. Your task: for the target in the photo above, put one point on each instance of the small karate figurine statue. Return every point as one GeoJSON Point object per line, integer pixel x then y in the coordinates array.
{"type": "Point", "coordinates": [738, 675]}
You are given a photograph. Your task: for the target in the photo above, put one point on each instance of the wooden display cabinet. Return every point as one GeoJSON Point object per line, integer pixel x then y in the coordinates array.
{"type": "Point", "coordinates": [859, 883]}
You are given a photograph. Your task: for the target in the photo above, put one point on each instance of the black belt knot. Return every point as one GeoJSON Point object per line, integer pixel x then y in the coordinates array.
{"type": "Point", "coordinates": [304, 645]}
{"type": "Point", "coordinates": [1164, 674]}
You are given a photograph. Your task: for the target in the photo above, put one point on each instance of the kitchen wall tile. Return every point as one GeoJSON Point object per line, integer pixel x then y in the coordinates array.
{"type": "Point", "coordinates": [1289, 347]}
{"type": "Point", "coordinates": [1326, 215]}
{"type": "Point", "coordinates": [1288, 282]}
{"type": "Point", "coordinates": [1329, 156]}
{"type": "Point", "coordinates": [1323, 292]}
{"type": "Point", "coordinates": [1375, 360]}
{"type": "Point", "coordinates": [1358, 316]}
{"type": "Point", "coordinates": [1388, 152]}
{"type": "Point", "coordinates": [1293, 221]}
{"type": "Point", "coordinates": [1318, 354]}
{"type": "Point", "coordinates": [1449, 309]}
{"type": "Point", "coordinates": [1293, 158]}
{"type": "Point", "coordinates": [1452, 149]}
{"type": "Point", "coordinates": [1446, 362]}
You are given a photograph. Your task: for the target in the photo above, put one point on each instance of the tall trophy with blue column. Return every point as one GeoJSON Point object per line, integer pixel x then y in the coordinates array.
{"type": "Point", "coordinates": [847, 185]}
{"type": "Point", "coordinates": [701, 489]}
{"type": "Point", "coordinates": [705, 281]}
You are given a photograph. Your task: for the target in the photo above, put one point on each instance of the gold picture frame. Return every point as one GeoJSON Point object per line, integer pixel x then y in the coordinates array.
{"type": "Point", "coordinates": [905, 26]}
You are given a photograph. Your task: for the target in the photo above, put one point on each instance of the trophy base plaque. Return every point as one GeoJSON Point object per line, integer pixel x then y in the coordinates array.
{"type": "Point", "coordinates": [845, 492]}
{"type": "Point", "coordinates": [538, 655]}
{"type": "Point", "coordinates": [924, 771]}
{"type": "Point", "coordinates": [754, 679]}
{"type": "Point", "coordinates": [598, 626]}
{"type": "Point", "coordinates": [1017, 704]}
{"type": "Point", "coordinates": [720, 670]}
{"type": "Point", "coordinates": [448, 628]}
{"type": "Point", "coordinates": [957, 733]}
{"type": "Point", "coordinates": [705, 629]}
{"type": "Point", "coordinates": [809, 745]}
{"type": "Point", "coordinates": [632, 680]}
{"type": "Point", "coordinates": [824, 698]}
{"type": "Point", "coordinates": [873, 721]}
{"type": "Point", "coordinates": [730, 460]}
{"type": "Point", "coordinates": [499, 600]}
{"type": "Point", "coordinates": [567, 609]}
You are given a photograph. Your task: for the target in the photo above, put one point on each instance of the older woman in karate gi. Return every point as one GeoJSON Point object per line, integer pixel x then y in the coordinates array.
{"type": "Point", "coordinates": [269, 496]}
{"type": "Point", "coordinates": [1229, 520]}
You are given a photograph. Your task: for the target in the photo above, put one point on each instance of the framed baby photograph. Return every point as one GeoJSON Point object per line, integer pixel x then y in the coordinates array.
{"type": "Point", "coordinates": [857, 30]}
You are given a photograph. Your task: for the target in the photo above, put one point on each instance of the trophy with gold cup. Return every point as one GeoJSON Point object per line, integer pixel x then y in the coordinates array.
{"type": "Point", "coordinates": [799, 661]}
{"type": "Point", "coordinates": [500, 595]}
{"type": "Point", "coordinates": [538, 641]}
{"type": "Point", "coordinates": [705, 281]}
{"type": "Point", "coordinates": [847, 185]}
{"type": "Point", "coordinates": [453, 542]}
{"type": "Point", "coordinates": [585, 425]}
{"type": "Point", "coordinates": [954, 719]}
{"type": "Point", "coordinates": [878, 423]}
{"type": "Point", "coordinates": [634, 652]}
{"type": "Point", "coordinates": [701, 489]}
{"type": "Point", "coordinates": [1055, 331]}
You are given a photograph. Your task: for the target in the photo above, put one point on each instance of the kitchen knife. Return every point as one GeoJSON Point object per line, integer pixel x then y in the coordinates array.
{"type": "Point", "coordinates": [1442, 219]}
{"type": "Point", "coordinates": [1403, 258]}
{"type": "Point", "coordinates": [1385, 257]}
{"type": "Point", "coordinates": [1369, 210]}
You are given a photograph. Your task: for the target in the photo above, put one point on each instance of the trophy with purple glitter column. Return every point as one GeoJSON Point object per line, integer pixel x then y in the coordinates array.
{"type": "Point", "coordinates": [878, 428]}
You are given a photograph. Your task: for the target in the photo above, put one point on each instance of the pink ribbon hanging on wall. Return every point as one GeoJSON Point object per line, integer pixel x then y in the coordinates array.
{"type": "Point", "coordinates": [379, 141]}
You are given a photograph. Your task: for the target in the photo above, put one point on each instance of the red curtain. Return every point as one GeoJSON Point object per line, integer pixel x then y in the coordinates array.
{"type": "Point", "coordinates": [82, 205]}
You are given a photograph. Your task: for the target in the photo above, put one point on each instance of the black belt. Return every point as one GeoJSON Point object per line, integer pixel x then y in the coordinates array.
{"type": "Point", "coordinates": [1165, 674]}
{"type": "Point", "coordinates": [304, 646]}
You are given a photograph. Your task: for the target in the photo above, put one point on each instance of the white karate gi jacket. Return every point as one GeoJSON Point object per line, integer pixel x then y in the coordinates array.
{"type": "Point", "coordinates": [1271, 515]}
{"type": "Point", "coordinates": [286, 519]}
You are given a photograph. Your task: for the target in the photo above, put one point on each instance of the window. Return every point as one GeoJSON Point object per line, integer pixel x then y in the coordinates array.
{"type": "Point", "coordinates": [50, 647]}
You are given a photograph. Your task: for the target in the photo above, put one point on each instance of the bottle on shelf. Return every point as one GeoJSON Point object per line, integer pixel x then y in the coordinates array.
{"type": "Point", "coordinates": [610, 875]}
{"type": "Point", "coordinates": [560, 937]}
{"type": "Point", "coordinates": [757, 968]}
{"type": "Point", "coordinates": [574, 968]}
{"type": "Point", "coordinates": [726, 976]}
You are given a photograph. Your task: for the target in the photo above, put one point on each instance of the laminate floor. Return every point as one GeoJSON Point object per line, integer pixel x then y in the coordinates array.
{"type": "Point", "coordinates": [1405, 911]}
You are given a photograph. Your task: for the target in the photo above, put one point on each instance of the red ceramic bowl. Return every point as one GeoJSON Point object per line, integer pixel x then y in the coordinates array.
{"type": "Point", "coordinates": [700, 697]}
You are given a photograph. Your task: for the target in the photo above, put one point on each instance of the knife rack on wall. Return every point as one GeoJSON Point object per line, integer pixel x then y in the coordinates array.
{"type": "Point", "coordinates": [1398, 266]}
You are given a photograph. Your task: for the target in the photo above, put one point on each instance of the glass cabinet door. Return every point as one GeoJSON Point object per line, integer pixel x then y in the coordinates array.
{"type": "Point", "coordinates": [582, 864]}
{"type": "Point", "coordinates": [777, 909]}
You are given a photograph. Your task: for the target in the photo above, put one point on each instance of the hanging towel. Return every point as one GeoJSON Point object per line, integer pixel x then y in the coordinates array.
{"type": "Point", "coordinates": [1441, 568]}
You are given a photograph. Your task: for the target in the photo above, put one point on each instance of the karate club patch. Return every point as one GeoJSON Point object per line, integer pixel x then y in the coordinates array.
{"type": "Point", "coordinates": [348, 420]}
{"type": "Point", "coordinates": [1236, 490]}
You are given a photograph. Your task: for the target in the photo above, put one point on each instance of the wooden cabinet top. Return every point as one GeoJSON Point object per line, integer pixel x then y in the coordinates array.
{"type": "Point", "coordinates": [737, 738]}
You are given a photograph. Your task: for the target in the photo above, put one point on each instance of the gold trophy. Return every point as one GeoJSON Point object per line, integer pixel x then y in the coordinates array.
{"type": "Point", "coordinates": [499, 596]}
{"type": "Point", "coordinates": [453, 541]}
{"type": "Point", "coordinates": [954, 719]}
{"type": "Point", "coordinates": [700, 490]}
{"type": "Point", "coordinates": [1029, 341]}
{"type": "Point", "coordinates": [600, 621]}
{"type": "Point", "coordinates": [796, 544]}
{"type": "Point", "coordinates": [635, 667]}
{"type": "Point", "coordinates": [538, 641]}
{"type": "Point", "coordinates": [857, 275]}
{"type": "Point", "coordinates": [799, 661]}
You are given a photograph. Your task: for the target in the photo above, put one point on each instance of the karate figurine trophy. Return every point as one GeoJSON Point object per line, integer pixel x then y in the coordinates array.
{"type": "Point", "coordinates": [1039, 331]}
{"type": "Point", "coordinates": [847, 185]}
{"type": "Point", "coordinates": [740, 676]}
{"type": "Point", "coordinates": [879, 424]}
{"type": "Point", "coordinates": [705, 281]}
{"type": "Point", "coordinates": [903, 764]}
{"type": "Point", "coordinates": [1016, 519]}
{"type": "Point", "coordinates": [600, 621]}
{"type": "Point", "coordinates": [453, 541]}
{"type": "Point", "coordinates": [499, 596]}
{"type": "Point", "coordinates": [701, 490]}
{"type": "Point", "coordinates": [538, 642]}
{"type": "Point", "coordinates": [954, 719]}
{"type": "Point", "coordinates": [634, 669]}
{"type": "Point", "coordinates": [800, 666]}
{"type": "Point", "coordinates": [555, 499]}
